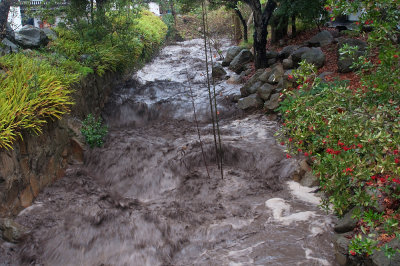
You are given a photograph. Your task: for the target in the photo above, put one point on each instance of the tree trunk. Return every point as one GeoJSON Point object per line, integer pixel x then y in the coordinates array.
{"type": "Point", "coordinates": [261, 20]}
{"type": "Point", "coordinates": [294, 30]}
{"type": "Point", "coordinates": [244, 24]}
{"type": "Point", "coordinates": [238, 31]}
{"type": "Point", "coordinates": [279, 28]}
{"type": "Point", "coordinates": [4, 10]}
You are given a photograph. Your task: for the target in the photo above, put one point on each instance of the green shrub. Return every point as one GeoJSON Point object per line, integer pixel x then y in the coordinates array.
{"type": "Point", "coordinates": [93, 131]}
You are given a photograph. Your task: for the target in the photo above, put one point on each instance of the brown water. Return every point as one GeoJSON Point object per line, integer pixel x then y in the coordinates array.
{"type": "Point", "coordinates": [145, 197]}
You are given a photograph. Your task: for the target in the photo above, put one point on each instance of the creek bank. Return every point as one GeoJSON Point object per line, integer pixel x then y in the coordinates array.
{"type": "Point", "coordinates": [39, 160]}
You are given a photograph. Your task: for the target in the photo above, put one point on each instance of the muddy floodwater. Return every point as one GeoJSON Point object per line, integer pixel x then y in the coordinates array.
{"type": "Point", "coordinates": [145, 197]}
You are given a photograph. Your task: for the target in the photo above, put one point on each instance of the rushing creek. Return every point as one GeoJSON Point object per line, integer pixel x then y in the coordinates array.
{"type": "Point", "coordinates": [145, 197]}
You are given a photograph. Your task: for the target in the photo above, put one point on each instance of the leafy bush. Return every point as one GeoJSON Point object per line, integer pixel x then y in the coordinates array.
{"type": "Point", "coordinates": [93, 131]}
{"type": "Point", "coordinates": [31, 91]}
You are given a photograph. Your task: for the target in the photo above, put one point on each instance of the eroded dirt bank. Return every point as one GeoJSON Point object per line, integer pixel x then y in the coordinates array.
{"type": "Point", "coordinates": [145, 197]}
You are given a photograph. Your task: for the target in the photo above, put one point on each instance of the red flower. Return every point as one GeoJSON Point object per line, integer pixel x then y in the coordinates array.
{"type": "Point", "coordinates": [396, 56]}
{"type": "Point", "coordinates": [373, 177]}
{"type": "Point", "coordinates": [397, 160]}
{"type": "Point", "coordinates": [288, 156]}
{"type": "Point", "coordinates": [355, 135]}
{"type": "Point", "coordinates": [290, 77]}
{"type": "Point", "coordinates": [396, 180]}
{"type": "Point", "coordinates": [345, 148]}
{"type": "Point", "coordinates": [379, 62]}
{"type": "Point", "coordinates": [299, 87]}
{"type": "Point", "coordinates": [340, 143]}
{"type": "Point", "coordinates": [299, 150]}
{"type": "Point", "coordinates": [359, 145]}
{"type": "Point", "coordinates": [300, 142]}
{"type": "Point", "coordinates": [357, 23]}
{"type": "Point", "coordinates": [306, 154]}
{"type": "Point", "coordinates": [282, 143]}
{"type": "Point", "coordinates": [352, 252]}
{"type": "Point", "coordinates": [290, 139]}
{"type": "Point", "coordinates": [396, 152]}
{"type": "Point", "coordinates": [369, 183]}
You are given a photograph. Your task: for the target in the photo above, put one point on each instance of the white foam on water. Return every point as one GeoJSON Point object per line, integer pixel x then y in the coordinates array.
{"type": "Point", "coordinates": [279, 208]}
{"type": "Point", "coordinates": [31, 208]}
{"type": "Point", "coordinates": [303, 193]}
{"type": "Point", "coordinates": [320, 261]}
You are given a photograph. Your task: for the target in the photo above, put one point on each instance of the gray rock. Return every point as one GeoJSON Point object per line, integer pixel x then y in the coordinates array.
{"type": "Point", "coordinates": [238, 63]}
{"type": "Point", "coordinates": [271, 61]}
{"type": "Point", "coordinates": [254, 88]}
{"type": "Point", "coordinates": [252, 101]}
{"type": "Point", "coordinates": [250, 82]}
{"type": "Point", "coordinates": [11, 231]}
{"type": "Point", "coordinates": [234, 80]}
{"type": "Point", "coordinates": [273, 102]}
{"type": "Point", "coordinates": [309, 180]}
{"type": "Point", "coordinates": [323, 75]}
{"type": "Point", "coordinates": [264, 92]}
{"type": "Point", "coordinates": [314, 56]}
{"type": "Point", "coordinates": [30, 37]}
{"type": "Point", "coordinates": [287, 51]}
{"type": "Point", "coordinates": [378, 258]}
{"type": "Point", "coordinates": [321, 39]}
{"type": "Point", "coordinates": [345, 62]}
{"type": "Point", "coordinates": [51, 34]}
{"type": "Point", "coordinates": [287, 63]}
{"type": "Point", "coordinates": [10, 34]}
{"type": "Point", "coordinates": [218, 71]}
{"type": "Point", "coordinates": [231, 54]}
{"type": "Point", "coordinates": [265, 75]}
{"type": "Point", "coordinates": [10, 47]}
{"type": "Point", "coordinates": [235, 98]}
{"type": "Point", "coordinates": [346, 223]}
{"type": "Point", "coordinates": [271, 54]}
{"type": "Point", "coordinates": [375, 193]}
{"type": "Point", "coordinates": [341, 243]}
{"type": "Point", "coordinates": [276, 74]}
{"type": "Point", "coordinates": [296, 55]}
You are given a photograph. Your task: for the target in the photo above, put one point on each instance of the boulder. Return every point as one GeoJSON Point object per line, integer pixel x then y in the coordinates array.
{"type": "Point", "coordinates": [345, 62]}
{"type": "Point", "coordinates": [30, 37]}
{"type": "Point", "coordinates": [11, 231]}
{"type": "Point", "coordinates": [346, 223]}
{"type": "Point", "coordinates": [341, 243]}
{"type": "Point", "coordinates": [10, 34]}
{"type": "Point", "coordinates": [273, 102]}
{"type": "Point", "coordinates": [250, 82]}
{"type": "Point", "coordinates": [254, 88]}
{"type": "Point", "coordinates": [296, 55]}
{"type": "Point", "coordinates": [238, 63]}
{"type": "Point", "coordinates": [252, 101]}
{"type": "Point", "coordinates": [287, 51]}
{"type": "Point", "coordinates": [309, 180]}
{"type": "Point", "coordinates": [271, 54]}
{"type": "Point", "coordinates": [276, 74]}
{"type": "Point", "coordinates": [271, 61]}
{"type": "Point", "coordinates": [321, 39]}
{"type": "Point", "coordinates": [218, 71]}
{"type": "Point", "coordinates": [287, 63]}
{"type": "Point", "coordinates": [314, 56]}
{"type": "Point", "coordinates": [283, 84]}
{"type": "Point", "coordinates": [10, 47]}
{"type": "Point", "coordinates": [378, 258]}
{"type": "Point", "coordinates": [231, 54]}
{"type": "Point", "coordinates": [265, 75]}
{"type": "Point", "coordinates": [50, 34]}
{"type": "Point", "coordinates": [234, 80]}
{"type": "Point", "coordinates": [264, 92]}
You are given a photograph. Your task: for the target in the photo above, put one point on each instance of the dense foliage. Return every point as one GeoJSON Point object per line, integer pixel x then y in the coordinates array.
{"type": "Point", "coordinates": [36, 86]}
{"type": "Point", "coordinates": [352, 133]}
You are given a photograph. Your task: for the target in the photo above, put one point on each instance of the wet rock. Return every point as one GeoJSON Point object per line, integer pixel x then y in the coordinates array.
{"type": "Point", "coordinates": [235, 98]}
{"type": "Point", "coordinates": [10, 47]}
{"type": "Point", "coordinates": [346, 223]}
{"type": "Point", "coordinates": [264, 92]}
{"type": "Point", "coordinates": [252, 101]}
{"type": "Point", "coordinates": [314, 56]}
{"type": "Point", "coordinates": [11, 231]}
{"type": "Point", "coordinates": [251, 82]}
{"type": "Point", "coordinates": [238, 63]}
{"type": "Point", "coordinates": [296, 55]}
{"type": "Point", "coordinates": [287, 51]}
{"type": "Point", "coordinates": [273, 102]}
{"type": "Point", "coordinates": [254, 88]}
{"type": "Point", "coordinates": [276, 74]}
{"type": "Point", "coordinates": [341, 243]}
{"type": "Point", "coordinates": [321, 39]}
{"type": "Point", "coordinates": [265, 75]}
{"type": "Point", "coordinates": [309, 180]}
{"type": "Point", "coordinates": [30, 37]}
{"type": "Point", "coordinates": [271, 61]}
{"type": "Point", "coordinates": [378, 258]}
{"type": "Point", "coordinates": [345, 62]}
{"type": "Point", "coordinates": [50, 34]}
{"type": "Point", "coordinates": [271, 54]}
{"type": "Point", "coordinates": [287, 63]}
{"type": "Point", "coordinates": [218, 71]}
{"type": "Point", "coordinates": [234, 80]}
{"type": "Point", "coordinates": [231, 54]}
{"type": "Point", "coordinates": [77, 151]}
{"type": "Point", "coordinates": [10, 34]}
